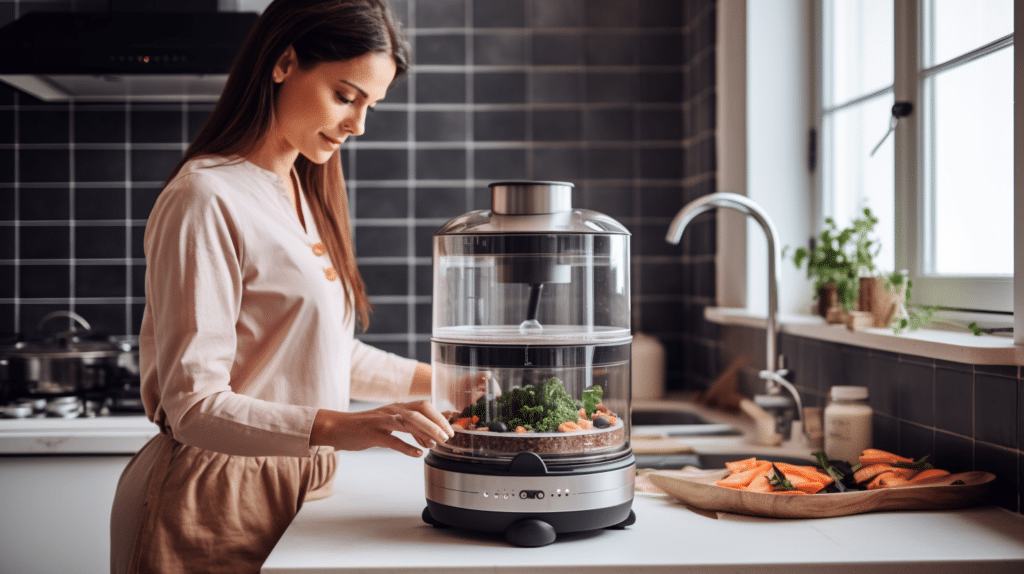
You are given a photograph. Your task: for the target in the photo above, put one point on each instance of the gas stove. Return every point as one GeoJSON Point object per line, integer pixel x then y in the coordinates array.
{"type": "Point", "coordinates": [112, 422]}
{"type": "Point", "coordinates": [124, 400]}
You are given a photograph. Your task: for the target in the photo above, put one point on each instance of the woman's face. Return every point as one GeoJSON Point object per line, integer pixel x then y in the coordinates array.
{"type": "Point", "coordinates": [319, 107]}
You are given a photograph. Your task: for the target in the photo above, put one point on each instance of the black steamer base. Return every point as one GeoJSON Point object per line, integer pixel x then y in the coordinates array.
{"type": "Point", "coordinates": [528, 501]}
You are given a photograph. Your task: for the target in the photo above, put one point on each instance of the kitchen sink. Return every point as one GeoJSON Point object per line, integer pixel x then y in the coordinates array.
{"type": "Point", "coordinates": [709, 460]}
{"type": "Point", "coordinates": [669, 422]}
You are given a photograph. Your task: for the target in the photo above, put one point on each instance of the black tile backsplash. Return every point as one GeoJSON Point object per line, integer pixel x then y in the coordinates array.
{"type": "Point", "coordinates": [43, 203]}
{"type": "Point", "coordinates": [995, 409]}
{"type": "Point", "coordinates": [964, 417]}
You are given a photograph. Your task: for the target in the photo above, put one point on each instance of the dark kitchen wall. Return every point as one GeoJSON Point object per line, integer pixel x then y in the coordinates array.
{"type": "Point", "coordinates": [616, 96]}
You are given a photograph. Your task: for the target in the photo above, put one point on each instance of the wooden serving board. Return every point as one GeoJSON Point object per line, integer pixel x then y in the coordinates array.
{"type": "Point", "coordinates": [699, 491]}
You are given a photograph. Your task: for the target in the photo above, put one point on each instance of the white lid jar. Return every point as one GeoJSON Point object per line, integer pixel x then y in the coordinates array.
{"type": "Point", "coordinates": [847, 420]}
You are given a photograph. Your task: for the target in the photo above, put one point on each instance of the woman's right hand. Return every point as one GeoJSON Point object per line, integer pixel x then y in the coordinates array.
{"type": "Point", "coordinates": [361, 430]}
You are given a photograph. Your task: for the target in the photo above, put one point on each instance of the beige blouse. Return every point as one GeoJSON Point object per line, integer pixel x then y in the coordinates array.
{"type": "Point", "coordinates": [246, 332]}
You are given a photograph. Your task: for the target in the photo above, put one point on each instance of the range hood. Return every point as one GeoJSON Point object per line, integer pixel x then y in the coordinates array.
{"type": "Point", "coordinates": [147, 56]}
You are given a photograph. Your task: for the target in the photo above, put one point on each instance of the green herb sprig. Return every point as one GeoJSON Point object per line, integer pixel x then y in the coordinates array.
{"type": "Point", "coordinates": [830, 470]}
{"type": "Point", "coordinates": [778, 481]}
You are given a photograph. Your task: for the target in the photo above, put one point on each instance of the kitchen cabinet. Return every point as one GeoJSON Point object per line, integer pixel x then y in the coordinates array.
{"type": "Point", "coordinates": [56, 512]}
{"type": "Point", "coordinates": [57, 482]}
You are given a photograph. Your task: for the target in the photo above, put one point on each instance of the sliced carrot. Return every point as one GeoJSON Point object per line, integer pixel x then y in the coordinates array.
{"type": "Point", "coordinates": [584, 424]}
{"type": "Point", "coordinates": [877, 456]}
{"type": "Point", "coordinates": [808, 473]}
{"type": "Point", "coordinates": [612, 419]}
{"type": "Point", "coordinates": [868, 472]}
{"type": "Point", "coordinates": [583, 413]}
{"type": "Point", "coordinates": [931, 473]}
{"type": "Point", "coordinates": [568, 426]}
{"type": "Point", "coordinates": [463, 422]}
{"type": "Point", "coordinates": [888, 480]}
{"type": "Point", "coordinates": [743, 479]}
{"type": "Point", "coordinates": [759, 484]}
{"type": "Point", "coordinates": [521, 430]}
{"type": "Point", "coordinates": [741, 465]}
{"type": "Point", "coordinates": [476, 419]}
{"type": "Point", "coordinates": [808, 486]}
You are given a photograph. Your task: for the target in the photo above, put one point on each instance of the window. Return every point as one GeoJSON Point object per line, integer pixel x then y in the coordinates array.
{"type": "Point", "coordinates": [941, 182]}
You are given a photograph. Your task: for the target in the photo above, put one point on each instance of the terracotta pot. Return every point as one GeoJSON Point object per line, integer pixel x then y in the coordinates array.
{"type": "Point", "coordinates": [879, 300]}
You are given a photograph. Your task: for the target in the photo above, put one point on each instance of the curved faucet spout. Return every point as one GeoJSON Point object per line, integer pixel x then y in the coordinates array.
{"type": "Point", "coordinates": [743, 205]}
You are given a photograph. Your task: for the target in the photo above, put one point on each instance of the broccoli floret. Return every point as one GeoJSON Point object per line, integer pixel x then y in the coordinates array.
{"type": "Point", "coordinates": [541, 407]}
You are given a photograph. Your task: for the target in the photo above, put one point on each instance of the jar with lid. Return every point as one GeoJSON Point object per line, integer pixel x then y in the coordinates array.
{"type": "Point", "coordinates": [847, 421]}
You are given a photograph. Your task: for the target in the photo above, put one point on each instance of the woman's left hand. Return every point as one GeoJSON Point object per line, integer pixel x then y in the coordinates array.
{"type": "Point", "coordinates": [361, 430]}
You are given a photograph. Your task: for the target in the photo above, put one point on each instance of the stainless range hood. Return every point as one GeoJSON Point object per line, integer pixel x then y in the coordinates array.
{"type": "Point", "coordinates": [140, 53]}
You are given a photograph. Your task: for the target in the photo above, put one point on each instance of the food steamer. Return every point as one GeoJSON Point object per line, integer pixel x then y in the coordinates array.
{"type": "Point", "coordinates": [531, 361]}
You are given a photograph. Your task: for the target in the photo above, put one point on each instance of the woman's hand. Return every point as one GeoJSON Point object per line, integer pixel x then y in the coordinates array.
{"type": "Point", "coordinates": [361, 430]}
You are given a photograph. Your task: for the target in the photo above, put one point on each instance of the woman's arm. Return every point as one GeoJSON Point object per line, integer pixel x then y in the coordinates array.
{"type": "Point", "coordinates": [361, 430]}
{"type": "Point", "coordinates": [420, 381]}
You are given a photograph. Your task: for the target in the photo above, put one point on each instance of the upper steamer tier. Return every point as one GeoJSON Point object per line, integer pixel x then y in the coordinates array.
{"type": "Point", "coordinates": [531, 271]}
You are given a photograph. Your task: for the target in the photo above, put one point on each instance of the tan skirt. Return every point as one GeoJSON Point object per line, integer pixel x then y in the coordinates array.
{"type": "Point", "coordinates": [185, 509]}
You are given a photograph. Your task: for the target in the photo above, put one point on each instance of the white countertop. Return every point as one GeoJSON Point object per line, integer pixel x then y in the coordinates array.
{"type": "Point", "coordinates": [118, 434]}
{"type": "Point", "coordinates": [372, 524]}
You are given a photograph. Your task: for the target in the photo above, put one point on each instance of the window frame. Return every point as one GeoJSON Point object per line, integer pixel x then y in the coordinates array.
{"type": "Point", "coordinates": [981, 294]}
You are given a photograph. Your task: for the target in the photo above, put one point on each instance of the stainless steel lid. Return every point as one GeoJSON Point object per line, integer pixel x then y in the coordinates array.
{"type": "Point", "coordinates": [530, 197]}
{"type": "Point", "coordinates": [532, 207]}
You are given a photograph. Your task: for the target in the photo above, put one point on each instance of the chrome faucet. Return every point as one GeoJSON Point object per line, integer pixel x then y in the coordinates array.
{"type": "Point", "coordinates": [774, 374]}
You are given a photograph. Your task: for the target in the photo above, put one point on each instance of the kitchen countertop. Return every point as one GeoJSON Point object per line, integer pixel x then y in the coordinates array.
{"type": "Point", "coordinates": [118, 434]}
{"type": "Point", "coordinates": [372, 524]}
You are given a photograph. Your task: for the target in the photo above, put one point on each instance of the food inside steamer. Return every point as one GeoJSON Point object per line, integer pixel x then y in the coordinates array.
{"type": "Point", "coordinates": [541, 418]}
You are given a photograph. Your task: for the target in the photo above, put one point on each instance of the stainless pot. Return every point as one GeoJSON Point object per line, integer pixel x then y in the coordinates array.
{"type": "Point", "coordinates": [62, 365]}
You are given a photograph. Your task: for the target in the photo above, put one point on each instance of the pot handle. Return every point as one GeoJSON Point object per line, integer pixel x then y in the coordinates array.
{"type": "Point", "coordinates": [68, 314]}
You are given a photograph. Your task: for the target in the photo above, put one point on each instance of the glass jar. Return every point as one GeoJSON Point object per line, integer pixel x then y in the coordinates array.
{"type": "Point", "coordinates": [847, 420]}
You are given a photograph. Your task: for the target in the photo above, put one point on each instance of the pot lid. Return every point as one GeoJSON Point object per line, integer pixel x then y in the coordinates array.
{"type": "Point", "coordinates": [66, 349]}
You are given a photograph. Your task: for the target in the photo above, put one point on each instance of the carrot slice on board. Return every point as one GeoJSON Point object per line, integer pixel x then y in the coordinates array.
{"type": "Point", "coordinates": [742, 479]}
{"type": "Point", "coordinates": [759, 484]}
{"type": "Point", "coordinates": [741, 465]}
{"type": "Point", "coordinates": [870, 456]}
{"type": "Point", "coordinates": [888, 480]}
{"type": "Point", "coordinates": [801, 483]}
{"type": "Point", "coordinates": [869, 472]}
{"type": "Point", "coordinates": [930, 473]}
{"type": "Point", "coordinates": [809, 473]}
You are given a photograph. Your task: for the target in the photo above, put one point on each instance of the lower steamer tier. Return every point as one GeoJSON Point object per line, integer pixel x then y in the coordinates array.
{"type": "Point", "coordinates": [526, 499]}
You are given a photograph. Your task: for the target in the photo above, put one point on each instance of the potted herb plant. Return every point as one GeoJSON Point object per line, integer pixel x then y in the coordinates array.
{"type": "Point", "coordinates": [837, 261]}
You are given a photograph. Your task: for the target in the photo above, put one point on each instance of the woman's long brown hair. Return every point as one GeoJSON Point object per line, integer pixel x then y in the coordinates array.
{"type": "Point", "coordinates": [320, 31]}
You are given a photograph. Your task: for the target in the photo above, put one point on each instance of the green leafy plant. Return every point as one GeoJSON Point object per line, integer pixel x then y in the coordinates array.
{"type": "Point", "coordinates": [916, 317]}
{"type": "Point", "coordinates": [841, 257]}
{"type": "Point", "coordinates": [540, 407]}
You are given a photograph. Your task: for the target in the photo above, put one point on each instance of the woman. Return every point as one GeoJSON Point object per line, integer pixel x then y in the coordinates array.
{"type": "Point", "coordinates": [252, 293]}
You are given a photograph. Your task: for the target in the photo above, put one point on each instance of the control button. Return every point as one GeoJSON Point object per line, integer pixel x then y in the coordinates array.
{"type": "Point", "coordinates": [319, 249]}
{"type": "Point", "coordinates": [330, 273]}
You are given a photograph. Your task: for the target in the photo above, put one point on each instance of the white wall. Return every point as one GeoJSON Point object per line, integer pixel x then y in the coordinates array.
{"type": "Point", "coordinates": [731, 147]}
{"type": "Point", "coordinates": [764, 70]}
{"type": "Point", "coordinates": [778, 119]}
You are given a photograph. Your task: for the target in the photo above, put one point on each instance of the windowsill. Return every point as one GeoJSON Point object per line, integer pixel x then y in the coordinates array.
{"type": "Point", "coordinates": [955, 346]}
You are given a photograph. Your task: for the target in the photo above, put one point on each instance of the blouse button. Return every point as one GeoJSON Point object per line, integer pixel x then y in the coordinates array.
{"type": "Point", "coordinates": [319, 249]}
{"type": "Point", "coordinates": [330, 273]}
